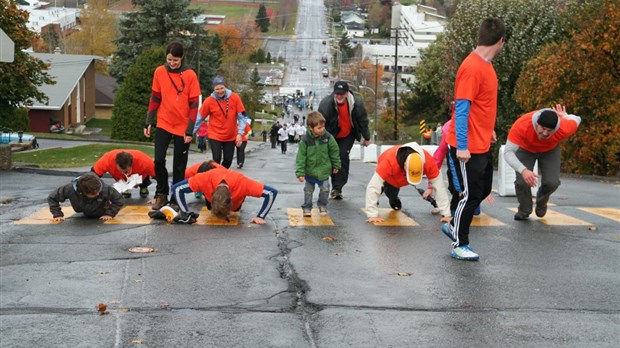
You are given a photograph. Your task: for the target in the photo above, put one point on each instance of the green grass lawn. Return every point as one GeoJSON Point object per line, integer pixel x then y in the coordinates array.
{"type": "Point", "coordinates": [73, 157]}
{"type": "Point", "coordinates": [104, 124]}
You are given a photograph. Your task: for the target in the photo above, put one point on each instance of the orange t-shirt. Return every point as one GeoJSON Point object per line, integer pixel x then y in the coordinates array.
{"type": "Point", "coordinates": [193, 170]}
{"type": "Point", "coordinates": [344, 120]}
{"type": "Point", "coordinates": [246, 132]}
{"type": "Point", "coordinates": [389, 170]}
{"type": "Point", "coordinates": [142, 164]}
{"type": "Point", "coordinates": [476, 81]}
{"type": "Point", "coordinates": [523, 133]}
{"type": "Point", "coordinates": [173, 111]}
{"type": "Point", "coordinates": [240, 186]}
{"type": "Point", "coordinates": [222, 117]}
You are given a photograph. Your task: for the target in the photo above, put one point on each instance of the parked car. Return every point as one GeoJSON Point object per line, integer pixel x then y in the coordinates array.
{"type": "Point", "coordinates": [9, 136]}
{"type": "Point", "coordinates": [324, 42]}
{"type": "Point", "coordinates": [325, 72]}
{"type": "Point", "coordinates": [303, 68]}
{"type": "Point", "coordinates": [324, 60]}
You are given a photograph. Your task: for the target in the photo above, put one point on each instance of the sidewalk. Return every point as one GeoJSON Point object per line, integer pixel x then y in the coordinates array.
{"type": "Point", "coordinates": [193, 157]}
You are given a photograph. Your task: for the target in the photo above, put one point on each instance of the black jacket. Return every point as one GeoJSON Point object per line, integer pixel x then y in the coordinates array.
{"type": "Point", "coordinates": [357, 114]}
{"type": "Point", "coordinates": [108, 203]}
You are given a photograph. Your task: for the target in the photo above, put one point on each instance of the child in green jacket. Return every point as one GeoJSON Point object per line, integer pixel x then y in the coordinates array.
{"type": "Point", "coordinates": [318, 157]}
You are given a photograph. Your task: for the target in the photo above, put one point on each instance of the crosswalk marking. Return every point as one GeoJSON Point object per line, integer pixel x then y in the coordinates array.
{"type": "Point", "coordinates": [296, 218]}
{"type": "Point", "coordinates": [132, 215]}
{"type": "Point", "coordinates": [485, 220]}
{"type": "Point", "coordinates": [44, 217]}
{"type": "Point", "coordinates": [393, 218]}
{"type": "Point", "coordinates": [206, 218]}
{"type": "Point", "coordinates": [609, 213]}
{"type": "Point", "coordinates": [558, 219]}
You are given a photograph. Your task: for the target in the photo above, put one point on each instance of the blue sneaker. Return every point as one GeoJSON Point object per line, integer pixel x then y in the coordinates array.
{"type": "Point", "coordinates": [448, 231]}
{"type": "Point", "coordinates": [464, 253]}
{"type": "Point", "coordinates": [477, 211]}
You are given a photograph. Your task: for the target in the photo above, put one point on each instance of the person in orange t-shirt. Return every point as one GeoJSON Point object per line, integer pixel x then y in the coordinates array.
{"type": "Point", "coordinates": [174, 100]}
{"type": "Point", "coordinates": [399, 166]}
{"type": "Point", "coordinates": [121, 164]}
{"type": "Point", "coordinates": [535, 137]}
{"type": "Point", "coordinates": [226, 190]}
{"type": "Point", "coordinates": [471, 134]}
{"type": "Point", "coordinates": [226, 116]}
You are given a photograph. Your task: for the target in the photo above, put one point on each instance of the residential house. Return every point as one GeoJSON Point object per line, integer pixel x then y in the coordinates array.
{"type": "Point", "coordinates": [72, 98]}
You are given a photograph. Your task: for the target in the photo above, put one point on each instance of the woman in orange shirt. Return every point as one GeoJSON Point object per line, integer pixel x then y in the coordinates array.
{"type": "Point", "coordinates": [227, 120]}
{"type": "Point", "coordinates": [174, 100]}
{"type": "Point", "coordinates": [244, 143]}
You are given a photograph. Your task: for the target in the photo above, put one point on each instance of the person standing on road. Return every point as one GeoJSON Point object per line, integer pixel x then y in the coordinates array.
{"type": "Point", "coordinates": [273, 135]}
{"type": "Point", "coordinates": [398, 167]}
{"type": "Point", "coordinates": [472, 132]}
{"type": "Point", "coordinates": [244, 144]}
{"type": "Point", "coordinates": [536, 136]}
{"type": "Point", "coordinates": [317, 158]}
{"type": "Point", "coordinates": [346, 118]}
{"type": "Point", "coordinates": [283, 138]}
{"type": "Point", "coordinates": [174, 100]}
{"type": "Point", "coordinates": [121, 164]}
{"type": "Point", "coordinates": [226, 116]}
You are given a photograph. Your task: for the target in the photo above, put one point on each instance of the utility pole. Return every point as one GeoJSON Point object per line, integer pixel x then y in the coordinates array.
{"type": "Point", "coordinates": [396, 84]}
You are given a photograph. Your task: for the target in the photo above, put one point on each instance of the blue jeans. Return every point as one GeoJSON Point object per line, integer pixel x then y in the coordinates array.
{"type": "Point", "coordinates": [309, 191]}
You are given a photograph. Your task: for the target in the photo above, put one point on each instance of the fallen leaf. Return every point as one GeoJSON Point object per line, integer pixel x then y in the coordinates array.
{"type": "Point", "coordinates": [123, 309]}
{"type": "Point", "coordinates": [164, 304]}
{"type": "Point", "coordinates": [329, 238]}
{"type": "Point", "coordinates": [404, 274]}
{"type": "Point", "coordinates": [102, 307]}
{"type": "Point", "coordinates": [138, 280]}
{"type": "Point", "coordinates": [137, 341]}
{"type": "Point", "coordinates": [103, 273]}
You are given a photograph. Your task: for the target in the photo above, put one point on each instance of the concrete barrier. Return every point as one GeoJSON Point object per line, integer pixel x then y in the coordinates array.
{"type": "Point", "coordinates": [507, 176]}
{"type": "Point", "coordinates": [370, 153]}
{"type": "Point", "coordinates": [385, 148]}
{"type": "Point", "coordinates": [356, 152]}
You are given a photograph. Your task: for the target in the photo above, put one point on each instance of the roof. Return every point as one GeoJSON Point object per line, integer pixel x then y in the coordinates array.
{"type": "Point", "coordinates": [105, 89]}
{"type": "Point", "coordinates": [66, 70]}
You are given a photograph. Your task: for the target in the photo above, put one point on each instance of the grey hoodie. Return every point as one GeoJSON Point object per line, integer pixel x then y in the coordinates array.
{"type": "Point", "coordinates": [108, 203]}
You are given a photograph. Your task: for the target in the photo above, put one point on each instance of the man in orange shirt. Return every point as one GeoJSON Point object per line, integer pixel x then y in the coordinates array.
{"type": "Point", "coordinates": [471, 134]}
{"type": "Point", "coordinates": [226, 190]}
{"type": "Point", "coordinates": [398, 167]}
{"type": "Point", "coordinates": [174, 100]}
{"type": "Point", "coordinates": [535, 136]}
{"type": "Point", "coordinates": [121, 164]}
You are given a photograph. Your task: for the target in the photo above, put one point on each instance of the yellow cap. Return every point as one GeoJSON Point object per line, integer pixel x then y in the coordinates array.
{"type": "Point", "coordinates": [414, 166]}
{"type": "Point", "coordinates": [169, 213]}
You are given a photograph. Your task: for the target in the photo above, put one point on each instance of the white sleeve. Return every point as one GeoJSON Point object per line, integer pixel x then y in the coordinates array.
{"type": "Point", "coordinates": [373, 192]}
{"type": "Point", "coordinates": [510, 156]}
{"type": "Point", "coordinates": [441, 195]}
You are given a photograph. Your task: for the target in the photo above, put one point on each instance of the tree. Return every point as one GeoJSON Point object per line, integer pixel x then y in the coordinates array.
{"type": "Point", "coordinates": [262, 21]}
{"type": "Point", "coordinates": [252, 93]}
{"type": "Point", "coordinates": [154, 23]}
{"type": "Point", "coordinates": [132, 97]}
{"type": "Point", "coordinates": [343, 46]}
{"type": "Point", "coordinates": [98, 30]}
{"type": "Point", "coordinates": [583, 73]}
{"type": "Point", "coordinates": [21, 78]}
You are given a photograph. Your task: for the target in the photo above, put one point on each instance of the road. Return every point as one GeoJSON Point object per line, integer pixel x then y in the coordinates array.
{"type": "Point", "coordinates": [550, 282]}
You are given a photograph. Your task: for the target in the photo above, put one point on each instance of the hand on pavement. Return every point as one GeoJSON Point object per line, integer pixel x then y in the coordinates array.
{"type": "Point", "coordinates": [258, 221]}
{"type": "Point", "coordinates": [375, 219]}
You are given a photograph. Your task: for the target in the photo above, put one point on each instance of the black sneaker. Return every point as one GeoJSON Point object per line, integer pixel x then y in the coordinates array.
{"type": "Point", "coordinates": [541, 211]}
{"type": "Point", "coordinates": [336, 194]}
{"type": "Point", "coordinates": [521, 216]}
{"type": "Point", "coordinates": [144, 192]}
{"type": "Point", "coordinates": [395, 203]}
{"type": "Point", "coordinates": [126, 194]}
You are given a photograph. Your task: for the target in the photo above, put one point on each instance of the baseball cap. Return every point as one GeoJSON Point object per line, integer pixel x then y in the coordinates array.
{"type": "Point", "coordinates": [414, 166]}
{"type": "Point", "coordinates": [341, 87]}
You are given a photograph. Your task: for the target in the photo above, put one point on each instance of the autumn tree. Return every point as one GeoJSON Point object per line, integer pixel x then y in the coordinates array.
{"type": "Point", "coordinates": [582, 72]}
{"type": "Point", "coordinates": [98, 30]}
{"type": "Point", "coordinates": [380, 16]}
{"type": "Point", "coordinates": [132, 97]}
{"type": "Point", "coordinates": [22, 77]}
{"type": "Point", "coordinates": [262, 21]}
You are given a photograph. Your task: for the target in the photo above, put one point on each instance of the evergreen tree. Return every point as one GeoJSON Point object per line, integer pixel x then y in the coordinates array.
{"type": "Point", "coordinates": [252, 93]}
{"type": "Point", "coordinates": [132, 97]}
{"type": "Point", "coordinates": [262, 21]}
{"type": "Point", "coordinates": [157, 23]}
{"type": "Point", "coordinates": [21, 78]}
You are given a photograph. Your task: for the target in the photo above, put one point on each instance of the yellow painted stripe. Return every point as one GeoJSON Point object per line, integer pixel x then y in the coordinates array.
{"type": "Point", "coordinates": [609, 213]}
{"type": "Point", "coordinates": [557, 219]}
{"type": "Point", "coordinates": [206, 218]}
{"type": "Point", "coordinates": [393, 218]}
{"type": "Point", "coordinates": [296, 218]}
{"type": "Point", "coordinates": [132, 215]}
{"type": "Point", "coordinates": [483, 220]}
{"type": "Point", "coordinates": [44, 217]}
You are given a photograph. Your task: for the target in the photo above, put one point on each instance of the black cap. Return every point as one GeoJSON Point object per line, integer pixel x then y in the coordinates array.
{"type": "Point", "coordinates": [548, 119]}
{"type": "Point", "coordinates": [341, 87]}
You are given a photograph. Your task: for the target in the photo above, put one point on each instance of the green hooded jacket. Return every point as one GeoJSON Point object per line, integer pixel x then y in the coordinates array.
{"type": "Point", "coordinates": [317, 156]}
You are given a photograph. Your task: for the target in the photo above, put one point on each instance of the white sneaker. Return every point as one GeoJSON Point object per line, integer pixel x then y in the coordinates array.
{"type": "Point", "coordinates": [464, 252]}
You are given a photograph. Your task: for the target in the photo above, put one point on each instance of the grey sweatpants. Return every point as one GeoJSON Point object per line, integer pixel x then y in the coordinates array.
{"type": "Point", "coordinates": [549, 166]}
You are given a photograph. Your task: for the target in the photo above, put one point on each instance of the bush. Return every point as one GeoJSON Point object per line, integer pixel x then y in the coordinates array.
{"type": "Point", "coordinates": [14, 118]}
{"type": "Point", "coordinates": [132, 98]}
